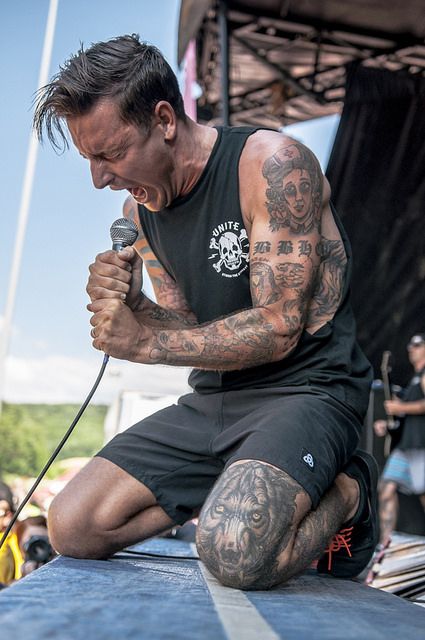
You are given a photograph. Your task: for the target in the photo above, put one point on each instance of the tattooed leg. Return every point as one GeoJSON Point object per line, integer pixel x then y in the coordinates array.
{"type": "Point", "coordinates": [256, 528]}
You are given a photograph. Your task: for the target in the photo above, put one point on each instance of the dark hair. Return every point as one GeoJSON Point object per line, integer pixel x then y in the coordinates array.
{"type": "Point", "coordinates": [133, 73]}
{"type": "Point", "coordinates": [7, 495]}
{"type": "Point", "coordinates": [34, 521]}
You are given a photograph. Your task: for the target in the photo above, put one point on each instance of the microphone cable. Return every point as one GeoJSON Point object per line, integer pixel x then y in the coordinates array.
{"type": "Point", "coordinates": [123, 234]}
{"type": "Point", "coordinates": [56, 451]}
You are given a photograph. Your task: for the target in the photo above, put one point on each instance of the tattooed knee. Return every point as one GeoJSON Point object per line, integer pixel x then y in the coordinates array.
{"type": "Point", "coordinates": [246, 523]}
{"type": "Point", "coordinates": [231, 567]}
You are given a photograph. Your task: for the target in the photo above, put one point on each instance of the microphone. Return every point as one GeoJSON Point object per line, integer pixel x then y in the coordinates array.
{"type": "Point", "coordinates": [124, 233]}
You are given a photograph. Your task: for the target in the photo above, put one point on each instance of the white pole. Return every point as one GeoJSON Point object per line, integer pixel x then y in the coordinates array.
{"type": "Point", "coordinates": [25, 200]}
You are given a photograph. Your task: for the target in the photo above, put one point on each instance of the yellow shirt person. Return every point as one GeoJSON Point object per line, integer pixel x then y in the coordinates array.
{"type": "Point", "coordinates": [11, 560]}
{"type": "Point", "coordinates": [10, 554]}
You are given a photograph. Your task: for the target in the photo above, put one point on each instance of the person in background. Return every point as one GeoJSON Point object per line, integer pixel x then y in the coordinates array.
{"type": "Point", "coordinates": [11, 558]}
{"type": "Point", "coordinates": [405, 468]}
{"type": "Point", "coordinates": [34, 543]}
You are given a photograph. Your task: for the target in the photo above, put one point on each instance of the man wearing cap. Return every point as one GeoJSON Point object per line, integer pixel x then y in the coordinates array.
{"type": "Point", "coordinates": [405, 467]}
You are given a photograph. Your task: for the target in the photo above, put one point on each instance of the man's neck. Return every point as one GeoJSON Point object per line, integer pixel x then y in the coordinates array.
{"type": "Point", "coordinates": [197, 142]}
{"type": "Point", "coordinates": [419, 365]}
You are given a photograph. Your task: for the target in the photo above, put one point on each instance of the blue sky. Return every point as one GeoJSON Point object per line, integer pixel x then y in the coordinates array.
{"type": "Point", "coordinates": [50, 352]}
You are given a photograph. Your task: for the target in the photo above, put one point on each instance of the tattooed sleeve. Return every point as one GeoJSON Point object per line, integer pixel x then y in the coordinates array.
{"type": "Point", "coordinates": [171, 308]}
{"type": "Point", "coordinates": [286, 236]}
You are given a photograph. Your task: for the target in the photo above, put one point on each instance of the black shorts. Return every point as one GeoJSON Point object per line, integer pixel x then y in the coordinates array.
{"type": "Point", "coordinates": [180, 451]}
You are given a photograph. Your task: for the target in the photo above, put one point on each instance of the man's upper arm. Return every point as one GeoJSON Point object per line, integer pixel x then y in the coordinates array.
{"type": "Point", "coordinates": [285, 234]}
{"type": "Point", "coordinates": [167, 293]}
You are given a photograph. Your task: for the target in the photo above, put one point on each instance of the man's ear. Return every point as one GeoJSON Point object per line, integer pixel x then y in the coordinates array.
{"type": "Point", "coordinates": [166, 119]}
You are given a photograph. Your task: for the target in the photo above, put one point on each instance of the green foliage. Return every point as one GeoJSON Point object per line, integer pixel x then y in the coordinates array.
{"type": "Point", "coordinates": [29, 433]}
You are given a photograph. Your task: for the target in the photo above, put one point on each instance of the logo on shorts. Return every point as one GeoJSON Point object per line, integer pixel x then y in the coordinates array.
{"type": "Point", "coordinates": [231, 249]}
{"type": "Point", "coordinates": [308, 459]}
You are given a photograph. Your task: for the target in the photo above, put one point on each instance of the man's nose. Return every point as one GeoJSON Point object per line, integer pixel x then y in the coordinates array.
{"type": "Point", "coordinates": [100, 175]}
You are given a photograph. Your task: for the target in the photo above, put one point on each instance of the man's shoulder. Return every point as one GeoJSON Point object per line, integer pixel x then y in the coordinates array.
{"type": "Point", "coordinates": [275, 146]}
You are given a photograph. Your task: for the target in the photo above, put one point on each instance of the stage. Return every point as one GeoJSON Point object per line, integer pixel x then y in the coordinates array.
{"type": "Point", "coordinates": [167, 594]}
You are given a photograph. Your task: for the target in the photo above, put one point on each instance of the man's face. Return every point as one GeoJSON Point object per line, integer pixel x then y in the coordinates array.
{"type": "Point", "coordinates": [5, 514]}
{"type": "Point", "coordinates": [123, 156]}
{"type": "Point", "coordinates": [416, 352]}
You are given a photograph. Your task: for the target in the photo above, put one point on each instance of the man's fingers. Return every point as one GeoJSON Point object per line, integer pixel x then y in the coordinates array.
{"type": "Point", "coordinates": [109, 304]}
{"type": "Point", "coordinates": [98, 287]}
{"type": "Point", "coordinates": [120, 271]}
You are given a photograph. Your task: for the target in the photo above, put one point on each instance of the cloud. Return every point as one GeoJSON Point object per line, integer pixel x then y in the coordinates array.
{"type": "Point", "coordinates": [60, 379]}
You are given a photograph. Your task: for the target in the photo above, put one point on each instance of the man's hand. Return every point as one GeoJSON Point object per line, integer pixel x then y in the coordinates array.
{"type": "Point", "coordinates": [116, 275]}
{"type": "Point", "coordinates": [29, 566]}
{"type": "Point", "coordinates": [380, 427]}
{"type": "Point", "coordinates": [116, 331]}
{"type": "Point", "coordinates": [394, 407]}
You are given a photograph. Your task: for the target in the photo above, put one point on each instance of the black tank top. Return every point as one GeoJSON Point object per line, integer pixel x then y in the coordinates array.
{"type": "Point", "coordinates": [202, 243]}
{"type": "Point", "coordinates": [413, 427]}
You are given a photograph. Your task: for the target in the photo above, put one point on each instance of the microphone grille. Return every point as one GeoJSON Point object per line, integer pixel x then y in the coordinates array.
{"type": "Point", "coordinates": [124, 230]}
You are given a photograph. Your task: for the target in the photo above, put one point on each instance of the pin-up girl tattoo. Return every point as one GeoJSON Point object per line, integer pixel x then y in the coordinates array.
{"type": "Point", "coordinates": [294, 192]}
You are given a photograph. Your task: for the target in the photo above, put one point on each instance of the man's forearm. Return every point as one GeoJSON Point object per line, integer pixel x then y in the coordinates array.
{"type": "Point", "coordinates": [414, 407]}
{"type": "Point", "coordinates": [150, 314]}
{"type": "Point", "coordinates": [246, 339]}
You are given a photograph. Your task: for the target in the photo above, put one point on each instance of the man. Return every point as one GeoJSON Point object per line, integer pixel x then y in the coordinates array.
{"type": "Point", "coordinates": [251, 268]}
{"type": "Point", "coordinates": [10, 555]}
{"type": "Point", "coordinates": [405, 467]}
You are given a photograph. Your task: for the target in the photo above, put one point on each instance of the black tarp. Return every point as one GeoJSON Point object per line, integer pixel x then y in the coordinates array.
{"type": "Point", "coordinates": [377, 174]}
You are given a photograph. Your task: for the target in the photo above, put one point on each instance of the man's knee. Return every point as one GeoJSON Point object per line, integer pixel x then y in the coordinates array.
{"type": "Point", "coordinates": [234, 568]}
{"type": "Point", "coordinates": [70, 530]}
{"type": "Point", "coordinates": [247, 525]}
{"type": "Point", "coordinates": [80, 523]}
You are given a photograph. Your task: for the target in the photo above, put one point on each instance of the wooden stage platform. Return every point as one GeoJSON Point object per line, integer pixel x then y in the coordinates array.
{"type": "Point", "coordinates": [166, 594]}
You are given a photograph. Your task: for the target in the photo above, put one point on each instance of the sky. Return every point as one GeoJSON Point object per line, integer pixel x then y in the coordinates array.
{"type": "Point", "coordinates": [50, 356]}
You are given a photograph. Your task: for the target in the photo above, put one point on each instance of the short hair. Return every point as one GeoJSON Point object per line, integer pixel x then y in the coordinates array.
{"type": "Point", "coordinates": [133, 73]}
{"type": "Point", "coordinates": [7, 495]}
{"type": "Point", "coordinates": [34, 521]}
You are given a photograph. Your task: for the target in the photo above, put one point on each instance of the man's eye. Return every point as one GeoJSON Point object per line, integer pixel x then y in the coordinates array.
{"type": "Point", "coordinates": [118, 155]}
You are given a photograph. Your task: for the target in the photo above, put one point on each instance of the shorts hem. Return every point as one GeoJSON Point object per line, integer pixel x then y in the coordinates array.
{"type": "Point", "coordinates": [313, 494]}
{"type": "Point", "coordinates": [151, 484]}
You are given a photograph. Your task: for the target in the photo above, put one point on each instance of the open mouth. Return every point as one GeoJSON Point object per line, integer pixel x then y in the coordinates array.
{"type": "Point", "coordinates": [139, 194]}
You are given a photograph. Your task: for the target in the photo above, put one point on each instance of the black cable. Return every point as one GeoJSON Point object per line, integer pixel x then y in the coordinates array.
{"type": "Point", "coordinates": [56, 451]}
{"type": "Point", "coordinates": [161, 556]}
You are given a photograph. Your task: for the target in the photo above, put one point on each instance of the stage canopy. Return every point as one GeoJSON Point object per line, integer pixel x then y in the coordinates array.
{"type": "Point", "coordinates": [276, 62]}
{"type": "Point", "coordinates": [286, 59]}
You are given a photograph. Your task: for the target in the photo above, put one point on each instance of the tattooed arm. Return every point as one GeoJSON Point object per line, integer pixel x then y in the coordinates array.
{"type": "Point", "coordinates": [285, 236]}
{"type": "Point", "coordinates": [119, 275]}
{"type": "Point", "coordinates": [171, 308]}
{"type": "Point", "coordinates": [283, 212]}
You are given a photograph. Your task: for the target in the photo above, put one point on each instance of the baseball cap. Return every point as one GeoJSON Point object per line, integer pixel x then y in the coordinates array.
{"type": "Point", "coordinates": [416, 340]}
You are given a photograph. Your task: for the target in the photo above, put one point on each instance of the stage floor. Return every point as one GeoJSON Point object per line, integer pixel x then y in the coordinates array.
{"type": "Point", "coordinates": [169, 595]}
